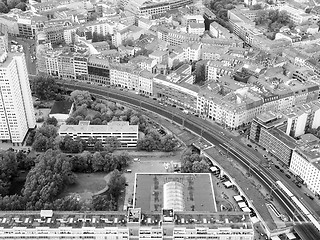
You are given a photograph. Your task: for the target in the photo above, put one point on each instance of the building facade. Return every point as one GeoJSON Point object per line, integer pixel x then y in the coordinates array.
{"type": "Point", "coordinates": [16, 107]}
{"type": "Point", "coordinates": [126, 134]}
{"type": "Point", "coordinates": [305, 164]}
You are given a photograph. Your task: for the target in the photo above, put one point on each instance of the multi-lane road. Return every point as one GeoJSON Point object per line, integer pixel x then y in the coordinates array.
{"type": "Point", "coordinates": [210, 133]}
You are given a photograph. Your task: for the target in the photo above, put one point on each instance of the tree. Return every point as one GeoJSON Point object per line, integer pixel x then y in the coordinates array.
{"type": "Point", "coordinates": [52, 121]}
{"type": "Point", "coordinates": [134, 120]}
{"type": "Point", "coordinates": [68, 203]}
{"type": "Point", "coordinates": [98, 162]}
{"type": "Point", "coordinates": [168, 143]}
{"type": "Point", "coordinates": [22, 6]}
{"type": "Point", "coordinates": [12, 3]}
{"type": "Point", "coordinates": [47, 179]}
{"type": "Point", "coordinates": [45, 87]}
{"type": "Point", "coordinates": [117, 184]}
{"type": "Point", "coordinates": [200, 74]}
{"type": "Point", "coordinates": [121, 161]}
{"type": "Point", "coordinates": [44, 138]}
{"type": "Point", "coordinates": [112, 143]}
{"type": "Point", "coordinates": [104, 203]}
{"type": "Point", "coordinates": [81, 97]}
{"type": "Point", "coordinates": [98, 146]}
{"type": "Point", "coordinates": [193, 163]}
{"type": "Point", "coordinates": [3, 8]}
{"type": "Point", "coordinates": [40, 143]}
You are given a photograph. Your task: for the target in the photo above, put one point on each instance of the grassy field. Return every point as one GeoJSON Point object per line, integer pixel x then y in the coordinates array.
{"type": "Point", "coordinates": [87, 184]}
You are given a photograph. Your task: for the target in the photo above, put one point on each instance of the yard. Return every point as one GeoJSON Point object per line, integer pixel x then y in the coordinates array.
{"type": "Point", "coordinates": [87, 185]}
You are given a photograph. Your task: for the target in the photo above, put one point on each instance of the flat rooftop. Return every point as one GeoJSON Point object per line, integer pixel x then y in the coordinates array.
{"type": "Point", "coordinates": [197, 191]}
{"type": "Point", "coordinates": [120, 219]}
{"type": "Point", "coordinates": [113, 127]}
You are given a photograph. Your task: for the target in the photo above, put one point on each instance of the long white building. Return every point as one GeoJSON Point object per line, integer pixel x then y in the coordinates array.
{"type": "Point", "coordinates": [16, 106]}
{"type": "Point", "coordinates": [305, 162]}
{"type": "Point", "coordinates": [126, 134]}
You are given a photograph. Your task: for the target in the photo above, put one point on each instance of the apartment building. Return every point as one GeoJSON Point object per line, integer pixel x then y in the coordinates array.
{"type": "Point", "coordinates": [144, 7]}
{"type": "Point", "coordinates": [29, 24]}
{"type": "Point", "coordinates": [69, 34]}
{"type": "Point", "coordinates": [297, 16]}
{"type": "Point", "coordinates": [195, 28]}
{"type": "Point", "coordinates": [176, 38]}
{"type": "Point", "coordinates": [192, 51]}
{"type": "Point", "coordinates": [80, 62]}
{"type": "Point", "coordinates": [217, 31]}
{"type": "Point", "coordinates": [51, 62]}
{"type": "Point", "coordinates": [131, 77]}
{"type": "Point", "coordinates": [244, 28]}
{"type": "Point", "coordinates": [235, 103]}
{"type": "Point", "coordinates": [173, 89]}
{"type": "Point", "coordinates": [302, 117]}
{"type": "Point", "coordinates": [267, 130]}
{"type": "Point", "coordinates": [305, 162]}
{"type": "Point", "coordinates": [216, 69]}
{"type": "Point", "coordinates": [132, 32]}
{"type": "Point", "coordinates": [126, 134]}
{"type": "Point", "coordinates": [65, 62]}
{"type": "Point", "coordinates": [187, 19]}
{"type": "Point", "coordinates": [16, 107]}
{"type": "Point", "coordinates": [98, 70]}
{"type": "Point", "coordinates": [144, 62]}
{"type": "Point", "coordinates": [54, 34]}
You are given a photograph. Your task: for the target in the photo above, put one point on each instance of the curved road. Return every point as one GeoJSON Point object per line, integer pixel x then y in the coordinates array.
{"type": "Point", "coordinates": [207, 130]}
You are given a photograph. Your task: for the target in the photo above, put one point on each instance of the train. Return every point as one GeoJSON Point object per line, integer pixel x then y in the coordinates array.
{"type": "Point", "coordinates": [303, 209]}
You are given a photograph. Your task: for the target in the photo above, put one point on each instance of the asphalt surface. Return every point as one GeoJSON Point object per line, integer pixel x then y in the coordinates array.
{"type": "Point", "coordinates": [198, 125]}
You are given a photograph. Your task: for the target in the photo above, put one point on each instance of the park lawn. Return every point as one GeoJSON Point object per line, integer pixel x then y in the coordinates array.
{"type": "Point", "coordinates": [87, 184]}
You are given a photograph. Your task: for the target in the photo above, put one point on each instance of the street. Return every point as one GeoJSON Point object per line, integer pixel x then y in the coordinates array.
{"type": "Point", "coordinates": [29, 50]}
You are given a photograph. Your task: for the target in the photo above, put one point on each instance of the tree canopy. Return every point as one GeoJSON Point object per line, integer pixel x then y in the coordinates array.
{"type": "Point", "coordinates": [194, 163]}
{"type": "Point", "coordinates": [47, 179]}
{"type": "Point", "coordinates": [45, 87]}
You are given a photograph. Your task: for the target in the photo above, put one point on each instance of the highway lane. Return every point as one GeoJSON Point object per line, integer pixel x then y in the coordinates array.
{"type": "Point", "coordinates": [196, 125]}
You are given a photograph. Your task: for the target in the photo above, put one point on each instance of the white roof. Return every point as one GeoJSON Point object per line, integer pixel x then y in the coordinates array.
{"type": "Point", "coordinates": [291, 236]}
{"type": "Point", "coordinates": [214, 168]}
{"type": "Point", "coordinates": [238, 198]}
{"type": "Point", "coordinates": [46, 213]}
{"type": "Point", "coordinates": [275, 238]}
{"type": "Point", "coordinates": [113, 126]}
{"type": "Point", "coordinates": [173, 196]}
{"type": "Point", "coordinates": [242, 204]}
{"type": "Point", "coordinates": [227, 184]}
{"type": "Point", "coordinates": [246, 209]}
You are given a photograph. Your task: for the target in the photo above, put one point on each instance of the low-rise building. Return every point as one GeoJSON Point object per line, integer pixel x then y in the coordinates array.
{"type": "Point", "coordinates": [61, 110]}
{"type": "Point", "coordinates": [126, 134]}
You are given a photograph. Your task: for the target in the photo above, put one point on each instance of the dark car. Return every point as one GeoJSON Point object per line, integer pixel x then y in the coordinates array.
{"type": "Point", "coordinates": [249, 145]}
{"type": "Point", "coordinates": [276, 166]}
{"type": "Point", "coordinates": [281, 170]}
{"type": "Point", "coordinates": [288, 176]}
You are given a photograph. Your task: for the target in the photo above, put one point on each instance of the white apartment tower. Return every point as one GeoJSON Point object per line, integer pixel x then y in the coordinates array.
{"type": "Point", "coordinates": [16, 106]}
